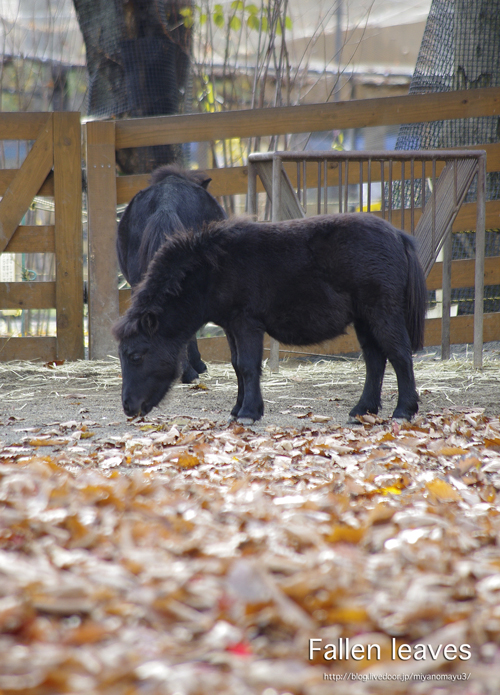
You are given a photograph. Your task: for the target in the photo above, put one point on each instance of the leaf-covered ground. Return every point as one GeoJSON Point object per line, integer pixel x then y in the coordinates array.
{"type": "Point", "coordinates": [178, 554]}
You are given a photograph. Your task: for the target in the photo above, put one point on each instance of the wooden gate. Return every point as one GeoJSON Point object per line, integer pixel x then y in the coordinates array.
{"type": "Point", "coordinates": [52, 168]}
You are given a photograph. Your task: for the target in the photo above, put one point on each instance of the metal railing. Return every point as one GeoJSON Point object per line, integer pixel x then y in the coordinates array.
{"type": "Point", "coordinates": [419, 191]}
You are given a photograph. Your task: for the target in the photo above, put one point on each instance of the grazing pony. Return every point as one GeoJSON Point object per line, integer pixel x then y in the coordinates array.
{"type": "Point", "coordinates": [302, 281]}
{"type": "Point", "coordinates": [175, 201]}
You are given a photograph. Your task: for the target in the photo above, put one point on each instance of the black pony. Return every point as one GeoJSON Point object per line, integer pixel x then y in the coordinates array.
{"type": "Point", "coordinates": [175, 201]}
{"type": "Point", "coordinates": [302, 281]}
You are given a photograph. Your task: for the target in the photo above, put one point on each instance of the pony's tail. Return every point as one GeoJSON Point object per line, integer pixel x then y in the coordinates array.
{"type": "Point", "coordinates": [416, 295]}
{"type": "Point", "coordinates": [160, 225]}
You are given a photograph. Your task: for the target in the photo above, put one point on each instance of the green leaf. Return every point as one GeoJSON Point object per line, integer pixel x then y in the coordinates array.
{"type": "Point", "coordinates": [237, 5]}
{"type": "Point", "coordinates": [235, 23]}
{"type": "Point", "coordinates": [253, 22]}
{"type": "Point", "coordinates": [265, 25]}
{"type": "Point", "coordinates": [288, 23]}
{"type": "Point", "coordinates": [187, 13]}
{"type": "Point", "coordinates": [218, 19]}
{"type": "Point", "coordinates": [252, 9]}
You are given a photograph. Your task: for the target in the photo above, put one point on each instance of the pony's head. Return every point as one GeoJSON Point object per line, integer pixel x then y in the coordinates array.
{"type": "Point", "coordinates": [150, 361]}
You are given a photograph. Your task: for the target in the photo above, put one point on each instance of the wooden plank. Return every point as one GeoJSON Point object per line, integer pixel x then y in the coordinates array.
{"type": "Point", "coordinates": [214, 350]}
{"type": "Point", "coordinates": [8, 175]}
{"type": "Point", "coordinates": [234, 180]}
{"type": "Point", "coordinates": [21, 126]}
{"type": "Point", "coordinates": [41, 349]}
{"type": "Point", "coordinates": [462, 331]}
{"type": "Point", "coordinates": [466, 218]}
{"type": "Point", "coordinates": [32, 239]}
{"type": "Point", "coordinates": [103, 262]}
{"type": "Point", "coordinates": [228, 181]}
{"type": "Point", "coordinates": [68, 235]}
{"type": "Point", "coordinates": [462, 273]}
{"type": "Point", "coordinates": [26, 184]}
{"type": "Point", "coordinates": [416, 108]}
{"type": "Point", "coordinates": [128, 186]}
{"type": "Point", "coordinates": [124, 297]}
{"type": "Point", "coordinates": [27, 295]}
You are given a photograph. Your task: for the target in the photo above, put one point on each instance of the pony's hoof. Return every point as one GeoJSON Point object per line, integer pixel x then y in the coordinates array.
{"type": "Point", "coordinates": [246, 421]}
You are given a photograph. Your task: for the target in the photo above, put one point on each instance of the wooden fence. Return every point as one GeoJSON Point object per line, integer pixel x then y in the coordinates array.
{"type": "Point", "coordinates": [105, 190]}
{"type": "Point", "coordinates": [52, 168]}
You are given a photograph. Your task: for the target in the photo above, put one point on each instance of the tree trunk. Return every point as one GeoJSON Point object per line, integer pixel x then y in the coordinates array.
{"type": "Point", "coordinates": [138, 64]}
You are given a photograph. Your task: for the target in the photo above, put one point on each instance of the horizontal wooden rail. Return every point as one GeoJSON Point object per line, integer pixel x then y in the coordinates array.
{"type": "Point", "coordinates": [162, 130]}
{"type": "Point", "coordinates": [27, 295]}
{"type": "Point", "coordinates": [462, 331]}
{"type": "Point", "coordinates": [462, 273]}
{"type": "Point", "coordinates": [465, 221]}
{"type": "Point", "coordinates": [234, 180]}
{"type": "Point", "coordinates": [8, 175]}
{"type": "Point", "coordinates": [24, 126]}
{"type": "Point", "coordinates": [43, 349]}
{"type": "Point", "coordinates": [32, 239]}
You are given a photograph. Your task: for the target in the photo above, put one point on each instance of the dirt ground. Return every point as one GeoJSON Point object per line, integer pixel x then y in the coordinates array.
{"type": "Point", "coordinates": [38, 398]}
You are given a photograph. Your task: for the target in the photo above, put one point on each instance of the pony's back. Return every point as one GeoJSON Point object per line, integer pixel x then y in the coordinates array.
{"type": "Point", "coordinates": [175, 200]}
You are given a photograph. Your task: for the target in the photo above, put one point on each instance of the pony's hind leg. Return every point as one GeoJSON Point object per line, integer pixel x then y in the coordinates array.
{"type": "Point", "coordinates": [407, 405]}
{"type": "Point", "coordinates": [241, 386]}
{"type": "Point", "coordinates": [375, 362]}
{"type": "Point", "coordinates": [393, 338]}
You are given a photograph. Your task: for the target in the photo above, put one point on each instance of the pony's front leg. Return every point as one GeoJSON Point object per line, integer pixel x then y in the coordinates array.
{"type": "Point", "coordinates": [234, 361]}
{"type": "Point", "coordinates": [248, 348]}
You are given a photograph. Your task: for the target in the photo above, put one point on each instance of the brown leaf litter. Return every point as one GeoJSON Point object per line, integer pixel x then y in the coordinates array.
{"type": "Point", "coordinates": [187, 557]}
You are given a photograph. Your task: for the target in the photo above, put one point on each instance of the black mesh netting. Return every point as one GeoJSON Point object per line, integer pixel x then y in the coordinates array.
{"type": "Point", "coordinates": [460, 50]}
{"type": "Point", "coordinates": [138, 65]}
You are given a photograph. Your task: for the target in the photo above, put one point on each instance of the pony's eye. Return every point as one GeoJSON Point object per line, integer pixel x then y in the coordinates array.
{"type": "Point", "coordinates": [135, 358]}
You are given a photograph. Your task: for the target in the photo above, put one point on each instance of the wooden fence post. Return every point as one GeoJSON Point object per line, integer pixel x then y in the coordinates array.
{"type": "Point", "coordinates": [103, 262]}
{"type": "Point", "coordinates": [68, 235]}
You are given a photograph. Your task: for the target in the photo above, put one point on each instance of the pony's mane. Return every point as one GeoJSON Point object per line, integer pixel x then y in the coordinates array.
{"type": "Point", "coordinates": [183, 252]}
{"type": "Point", "coordinates": [193, 176]}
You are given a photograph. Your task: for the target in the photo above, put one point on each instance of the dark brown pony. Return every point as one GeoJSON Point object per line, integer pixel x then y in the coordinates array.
{"type": "Point", "coordinates": [175, 200]}
{"type": "Point", "coordinates": [301, 281]}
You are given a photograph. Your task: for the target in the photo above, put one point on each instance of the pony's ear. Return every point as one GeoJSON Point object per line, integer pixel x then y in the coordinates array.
{"type": "Point", "coordinates": [204, 183]}
{"type": "Point", "coordinates": [149, 323]}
